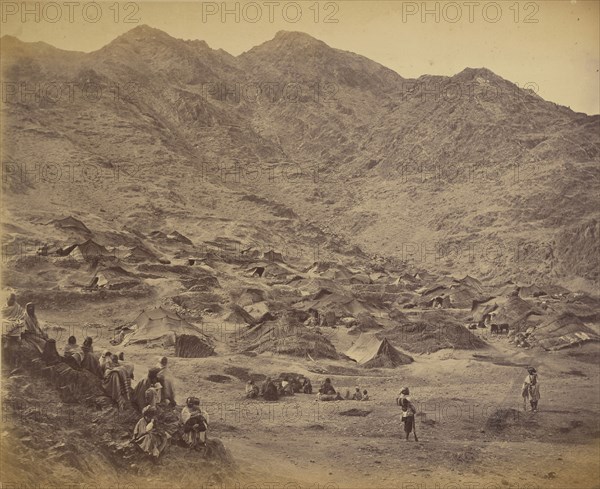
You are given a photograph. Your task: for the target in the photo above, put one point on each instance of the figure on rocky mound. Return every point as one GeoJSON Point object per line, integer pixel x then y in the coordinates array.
{"type": "Point", "coordinates": [164, 377]}
{"type": "Point", "coordinates": [531, 389]}
{"type": "Point", "coordinates": [194, 424]}
{"type": "Point", "coordinates": [142, 396]}
{"type": "Point", "coordinates": [269, 390]}
{"type": "Point", "coordinates": [357, 396]}
{"type": "Point", "coordinates": [252, 390]}
{"type": "Point", "coordinates": [90, 362]}
{"type": "Point", "coordinates": [148, 436]}
{"type": "Point", "coordinates": [408, 412]}
{"type": "Point", "coordinates": [13, 316]}
{"type": "Point", "coordinates": [365, 396]}
{"type": "Point", "coordinates": [105, 360]}
{"type": "Point", "coordinates": [33, 333]}
{"type": "Point", "coordinates": [73, 354]}
{"type": "Point", "coordinates": [116, 382]}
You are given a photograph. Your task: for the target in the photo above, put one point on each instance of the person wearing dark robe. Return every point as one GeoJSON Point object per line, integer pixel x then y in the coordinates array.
{"type": "Point", "coordinates": [13, 316]}
{"type": "Point", "coordinates": [140, 400]}
{"type": "Point", "coordinates": [269, 390]}
{"type": "Point", "coordinates": [90, 362]}
{"type": "Point", "coordinates": [194, 423]}
{"type": "Point", "coordinates": [114, 383]}
{"type": "Point", "coordinates": [327, 387]}
{"type": "Point", "coordinates": [252, 390]}
{"type": "Point", "coordinates": [307, 386]}
{"type": "Point", "coordinates": [73, 353]}
{"type": "Point", "coordinates": [165, 378]}
{"type": "Point", "coordinates": [33, 333]}
{"type": "Point", "coordinates": [148, 436]}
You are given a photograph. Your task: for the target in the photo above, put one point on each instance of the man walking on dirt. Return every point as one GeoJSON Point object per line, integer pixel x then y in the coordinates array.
{"type": "Point", "coordinates": [408, 413]}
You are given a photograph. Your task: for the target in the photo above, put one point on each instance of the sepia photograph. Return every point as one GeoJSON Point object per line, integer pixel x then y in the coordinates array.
{"type": "Point", "coordinates": [305, 244]}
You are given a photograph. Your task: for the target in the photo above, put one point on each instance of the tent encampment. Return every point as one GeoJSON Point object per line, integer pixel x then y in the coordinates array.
{"type": "Point", "coordinates": [162, 326]}
{"type": "Point", "coordinates": [372, 352]}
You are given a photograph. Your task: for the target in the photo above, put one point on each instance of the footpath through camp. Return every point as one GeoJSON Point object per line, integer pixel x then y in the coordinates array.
{"type": "Point", "coordinates": [131, 356]}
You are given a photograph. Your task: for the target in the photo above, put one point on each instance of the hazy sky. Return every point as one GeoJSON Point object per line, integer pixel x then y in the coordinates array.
{"type": "Point", "coordinates": [552, 44]}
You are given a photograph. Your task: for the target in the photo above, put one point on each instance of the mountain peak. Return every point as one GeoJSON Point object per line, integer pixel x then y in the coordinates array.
{"type": "Point", "coordinates": [144, 32]}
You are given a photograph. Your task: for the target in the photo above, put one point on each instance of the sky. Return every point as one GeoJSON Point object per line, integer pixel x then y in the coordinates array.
{"type": "Point", "coordinates": [550, 45]}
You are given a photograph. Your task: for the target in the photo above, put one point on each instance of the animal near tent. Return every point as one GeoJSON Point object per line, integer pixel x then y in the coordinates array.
{"type": "Point", "coordinates": [372, 352]}
{"type": "Point", "coordinates": [161, 326]}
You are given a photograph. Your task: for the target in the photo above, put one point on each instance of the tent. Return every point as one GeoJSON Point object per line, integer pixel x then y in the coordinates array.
{"type": "Point", "coordinates": [91, 252]}
{"type": "Point", "coordinates": [286, 336]}
{"type": "Point", "coordinates": [471, 282]}
{"type": "Point", "coordinates": [71, 224]}
{"type": "Point", "coordinates": [481, 309]}
{"type": "Point", "coordinates": [177, 236]}
{"type": "Point", "coordinates": [514, 311]}
{"type": "Point", "coordinates": [563, 331]}
{"type": "Point", "coordinates": [272, 255]}
{"type": "Point", "coordinates": [113, 278]}
{"type": "Point", "coordinates": [372, 352]}
{"type": "Point", "coordinates": [139, 254]}
{"type": "Point", "coordinates": [163, 326]}
{"type": "Point", "coordinates": [529, 292]}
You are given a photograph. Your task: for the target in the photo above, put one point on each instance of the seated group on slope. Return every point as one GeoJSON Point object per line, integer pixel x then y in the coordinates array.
{"type": "Point", "coordinates": [153, 396]}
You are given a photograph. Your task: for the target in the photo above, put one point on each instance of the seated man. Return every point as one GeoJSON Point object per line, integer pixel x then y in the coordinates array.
{"type": "Point", "coordinates": [307, 386]}
{"type": "Point", "coordinates": [195, 423]}
{"type": "Point", "coordinates": [164, 377]}
{"type": "Point", "coordinates": [147, 434]}
{"type": "Point", "coordinates": [286, 388]}
{"type": "Point", "coordinates": [252, 390]}
{"type": "Point", "coordinates": [269, 390]}
{"type": "Point", "coordinates": [113, 383]}
{"type": "Point", "coordinates": [140, 398]}
{"type": "Point", "coordinates": [90, 362]}
{"type": "Point", "coordinates": [73, 353]}
{"type": "Point", "coordinates": [357, 396]}
{"type": "Point", "coordinates": [365, 396]}
{"type": "Point", "coordinates": [326, 387]}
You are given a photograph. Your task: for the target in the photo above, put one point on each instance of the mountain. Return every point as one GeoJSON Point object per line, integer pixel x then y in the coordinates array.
{"type": "Point", "coordinates": [298, 142]}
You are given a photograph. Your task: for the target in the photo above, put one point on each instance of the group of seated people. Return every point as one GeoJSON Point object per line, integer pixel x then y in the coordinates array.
{"type": "Point", "coordinates": [328, 393]}
{"type": "Point", "coordinates": [149, 396]}
{"type": "Point", "coordinates": [271, 390]}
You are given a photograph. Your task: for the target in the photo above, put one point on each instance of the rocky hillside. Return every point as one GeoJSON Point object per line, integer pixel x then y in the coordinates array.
{"type": "Point", "coordinates": [297, 143]}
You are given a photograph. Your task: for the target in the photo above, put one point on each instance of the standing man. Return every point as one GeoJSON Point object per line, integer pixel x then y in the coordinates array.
{"type": "Point", "coordinates": [531, 389]}
{"type": "Point", "coordinates": [408, 412]}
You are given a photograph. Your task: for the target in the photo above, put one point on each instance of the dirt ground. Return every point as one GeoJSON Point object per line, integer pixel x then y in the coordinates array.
{"type": "Point", "coordinates": [471, 426]}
